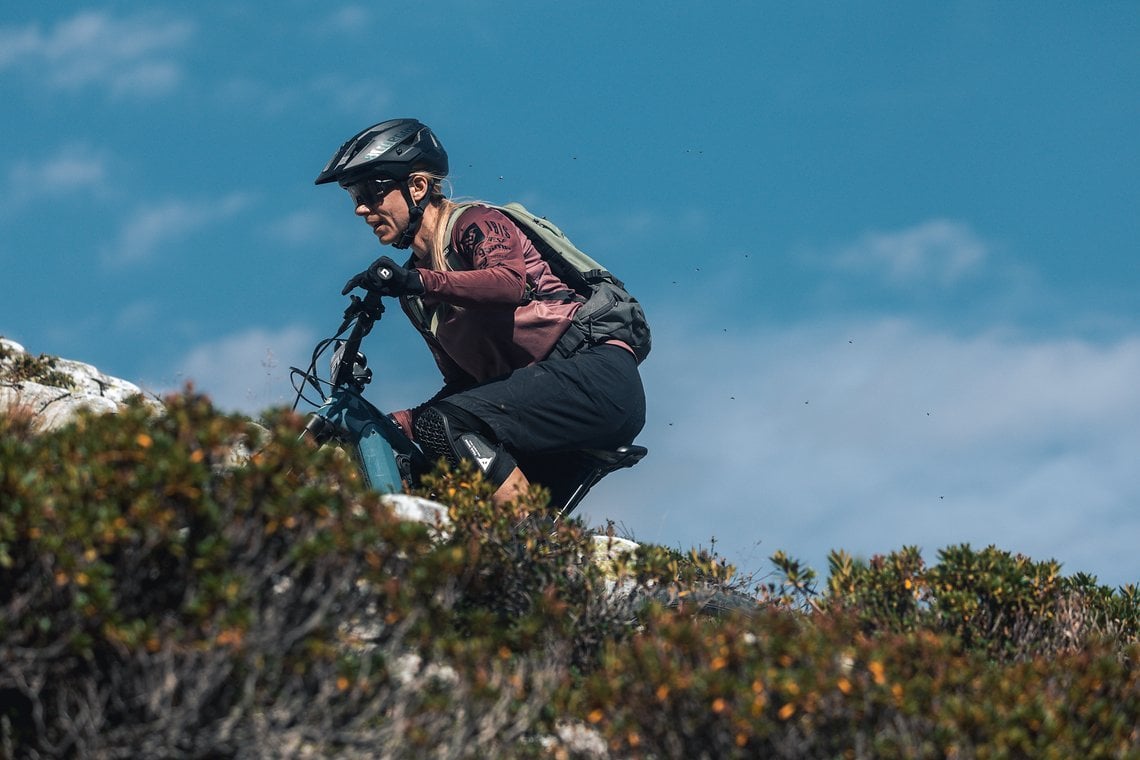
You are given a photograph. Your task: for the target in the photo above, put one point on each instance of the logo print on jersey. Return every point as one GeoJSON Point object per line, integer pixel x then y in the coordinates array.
{"type": "Point", "coordinates": [471, 237]}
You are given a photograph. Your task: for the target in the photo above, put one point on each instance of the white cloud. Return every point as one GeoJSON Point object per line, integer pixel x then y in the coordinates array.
{"type": "Point", "coordinates": [336, 92]}
{"type": "Point", "coordinates": [143, 234]}
{"type": "Point", "coordinates": [247, 371]}
{"type": "Point", "coordinates": [349, 20]}
{"type": "Point", "coordinates": [127, 56]}
{"type": "Point", "coordinates": [939, 251]}
{"type": "Point", "coordinates": [73, 168]}
{"type": "Point", "coordinates": [136, 315]}
{"type": "Point", "coordinates": [806, 442]}
{"type": "Point", "coordinates": [299, 228]}
{"type": "Point", "coordinates": [16, 44]}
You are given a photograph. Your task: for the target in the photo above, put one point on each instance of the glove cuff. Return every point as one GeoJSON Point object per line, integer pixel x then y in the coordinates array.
{"type": "Point", "coordinates": [415, 283]}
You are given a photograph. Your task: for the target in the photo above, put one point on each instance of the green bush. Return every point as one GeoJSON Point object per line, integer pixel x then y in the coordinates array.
{"type": "Point", "coordinates": [1006, 605]}
{"type": "Point", "coordinates": [155, 596]}
{"type": "Point", "coordinates": [192, 585]}
{"type": "Point", "coordinates": [785, 686]}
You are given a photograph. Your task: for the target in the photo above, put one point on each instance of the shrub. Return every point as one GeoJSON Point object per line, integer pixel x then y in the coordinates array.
{"type": "Point", "coordinates": [193, 585]}
{"type": "Point", "coordinates": [160, 601]}
{"type": "Point", "coordinates": [1008, 606]}
{"type": "Point", "coordinates": [788, 686]}
{"type": "Point", "coordinates": [190, 585]}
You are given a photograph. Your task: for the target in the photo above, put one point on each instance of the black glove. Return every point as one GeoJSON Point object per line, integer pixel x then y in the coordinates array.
{"type": "Point", "coordinates": [387, 278]}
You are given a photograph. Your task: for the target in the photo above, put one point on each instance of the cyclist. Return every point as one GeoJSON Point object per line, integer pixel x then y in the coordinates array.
{"type": "Point", "coordinates": [513, 401]}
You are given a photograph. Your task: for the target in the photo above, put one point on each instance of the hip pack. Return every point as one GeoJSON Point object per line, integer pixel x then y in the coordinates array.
{"type": "Point", "coordinates": [608, 311]}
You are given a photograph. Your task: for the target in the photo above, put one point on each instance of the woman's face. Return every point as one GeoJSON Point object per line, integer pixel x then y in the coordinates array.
{"type": "Point", "coordinates": [382, 209]}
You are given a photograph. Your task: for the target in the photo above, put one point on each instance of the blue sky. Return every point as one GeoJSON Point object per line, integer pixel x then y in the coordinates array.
{"type": "Point", "coordinates": [889, 251]}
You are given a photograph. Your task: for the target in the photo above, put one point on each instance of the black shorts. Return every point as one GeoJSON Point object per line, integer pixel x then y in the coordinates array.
{"type": "Point", "coordinates": [591, 400]}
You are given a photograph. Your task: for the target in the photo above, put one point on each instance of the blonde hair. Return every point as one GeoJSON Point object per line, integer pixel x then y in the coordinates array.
{"type": "Point", "coordinates": [437, 252]}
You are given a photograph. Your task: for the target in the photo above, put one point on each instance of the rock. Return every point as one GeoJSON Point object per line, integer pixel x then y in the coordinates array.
{"type": "Point", "coordinates": [418, 509]}
{"type": "Point", "coordinates": [53, 391]}
{"type": "Point", "coordinates": [611, 554]}
{"type": "Point", "coordinates": [576, 740]}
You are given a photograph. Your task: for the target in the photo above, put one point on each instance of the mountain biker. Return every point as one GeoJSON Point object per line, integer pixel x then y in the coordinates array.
{"type": "Point", "coordinates": [511, 401]}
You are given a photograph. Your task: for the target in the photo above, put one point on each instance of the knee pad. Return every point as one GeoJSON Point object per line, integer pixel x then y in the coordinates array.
{"type": "Point", "coordinates": [446, 431]}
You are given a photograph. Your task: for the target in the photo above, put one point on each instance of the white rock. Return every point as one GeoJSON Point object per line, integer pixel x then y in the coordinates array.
{"type": "Point", "coordinates": [583, 740]}
{"type": "Point", "coordinates": [89, 380]}
{"type": "Point", "coordinates": [52, 407]}
{"type": "Point", "coordinates": [418, 509]}
{"type": "Point", "coordinates": [12, 346]}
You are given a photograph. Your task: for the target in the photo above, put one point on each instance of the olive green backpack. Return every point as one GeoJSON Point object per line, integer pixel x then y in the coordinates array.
{"type": "Point", "coordinates": [608, 311]}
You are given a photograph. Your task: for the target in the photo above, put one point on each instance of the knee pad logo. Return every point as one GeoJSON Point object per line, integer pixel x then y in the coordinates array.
{"type": "Point", "coordinates": [483, 454]}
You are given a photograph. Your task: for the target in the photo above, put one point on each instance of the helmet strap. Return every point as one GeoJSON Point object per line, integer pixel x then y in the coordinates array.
{"type": "Point", "coordinates": [415, 216]}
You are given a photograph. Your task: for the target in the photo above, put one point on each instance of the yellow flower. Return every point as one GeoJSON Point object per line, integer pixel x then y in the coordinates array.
{"type": "Point", "coordinates": [877, 672]}
{"type": "Point", "coordinates": [230, 637]}
{"type": "Point", "coordinates": [787, 711]}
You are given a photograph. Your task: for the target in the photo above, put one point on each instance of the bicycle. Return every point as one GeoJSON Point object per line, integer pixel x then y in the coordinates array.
{"type": "Point", "coordinates": [389, 461]}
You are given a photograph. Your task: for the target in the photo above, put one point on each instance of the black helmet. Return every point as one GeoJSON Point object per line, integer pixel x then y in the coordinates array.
{"type": "Point", "coordinates": [392, 149]}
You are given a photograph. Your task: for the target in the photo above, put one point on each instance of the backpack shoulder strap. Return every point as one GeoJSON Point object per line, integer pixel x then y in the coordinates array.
{"type": "Point", "coordinates": [454, 260]}
{"type": "Point", "coordinates": [424, 318]}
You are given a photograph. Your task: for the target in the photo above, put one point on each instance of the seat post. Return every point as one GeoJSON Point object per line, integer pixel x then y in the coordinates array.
{"type": "Point", "coordinates": [606, 462]}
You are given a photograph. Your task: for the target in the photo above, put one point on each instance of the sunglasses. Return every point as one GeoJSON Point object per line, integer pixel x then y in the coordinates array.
{"type": "Point", "coordinates": [369, 192]}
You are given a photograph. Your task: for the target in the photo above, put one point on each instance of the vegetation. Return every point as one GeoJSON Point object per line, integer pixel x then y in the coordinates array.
{"type": "Point", "coordinates": [18, 367]}
{"type": "Point", "coordinates": [193, 585]}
